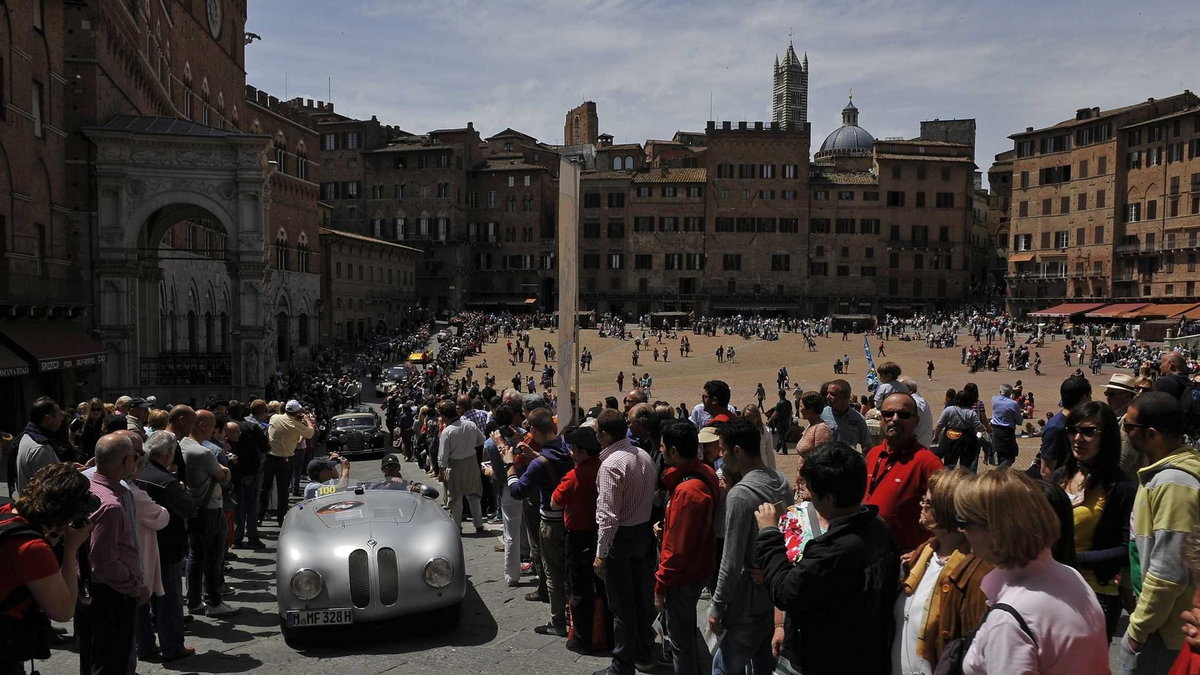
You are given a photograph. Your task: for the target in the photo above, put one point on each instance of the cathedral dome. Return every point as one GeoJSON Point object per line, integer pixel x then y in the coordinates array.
{"type": "Point", "coordinates": [848, 138]}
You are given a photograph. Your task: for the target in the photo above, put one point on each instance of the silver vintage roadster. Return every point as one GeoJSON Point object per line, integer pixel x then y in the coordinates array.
{"type": "Point", "coordinates": [368, 553]}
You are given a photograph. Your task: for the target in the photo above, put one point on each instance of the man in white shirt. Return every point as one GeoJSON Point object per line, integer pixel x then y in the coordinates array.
{"type": "Point", "coordinates": [460, 444]}
{"type": "Point", "coordinates": [924, 414]}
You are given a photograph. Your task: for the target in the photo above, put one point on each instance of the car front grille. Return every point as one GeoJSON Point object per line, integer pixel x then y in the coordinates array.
{"type": "Point", "coordinates": [352, 442]}
{"type": "Point", "coordinates": [360, 578]}
{"type": "Point", "coordinates": [389, 580]}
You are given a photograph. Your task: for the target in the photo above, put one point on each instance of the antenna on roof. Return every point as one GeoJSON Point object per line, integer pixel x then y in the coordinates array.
{"type": "Point", "coordinates": [329, 88]}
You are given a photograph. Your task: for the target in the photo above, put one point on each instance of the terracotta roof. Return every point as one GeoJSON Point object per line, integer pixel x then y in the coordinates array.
{"type": "Point", "coordinates": [924, 141]}
{"type": "Point", "coordinates": [369, 240]}
{"type": "Point", "coordinates": [671, 176]}
{"type": "Point", "coordinates": [1181, 113]}
{"type": "Point", "coordinates": [1066, 124]}
{"type": "Point", "coordinates": [510, 165]}
{"type": "Point", "coordinates": [606, 175]}
{"type": "Point", "coordinates": [450, 131]}
{"type": "Point", "coordinates": [510, 132]}
{"type": "Point", "coordinates": [845, 177]}
{"type": "Point", "coordinates": [623, 146]}
{"type": "Point", "coordinates": [927, 158]}
{"type": "Point", "coordinates": [171, 126]}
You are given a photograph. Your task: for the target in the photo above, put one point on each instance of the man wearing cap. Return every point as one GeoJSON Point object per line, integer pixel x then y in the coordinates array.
{"type": "Point", "coordinates": [284, 432]}
{"type": "Point", "coordinates": [137, 410]}
{"type": "Point", "coordinates": [1119, 393]}
{"type": "Point", "coordinates": [324, 472]}
{"type": "Point", "coordinates": [1006, 419]}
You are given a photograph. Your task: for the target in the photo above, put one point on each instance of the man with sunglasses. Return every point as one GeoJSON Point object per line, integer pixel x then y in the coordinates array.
{"type": "Point", "coordinates": [1165, 509]}
{"type": "Point", "coordinates": [898, 471]}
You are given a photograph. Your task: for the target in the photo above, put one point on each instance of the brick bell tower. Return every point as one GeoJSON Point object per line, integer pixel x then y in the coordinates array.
{"type": "Point", "coordinates": [790, 101]}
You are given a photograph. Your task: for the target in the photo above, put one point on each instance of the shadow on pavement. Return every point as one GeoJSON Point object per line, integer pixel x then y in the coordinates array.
{"type": "Point", "coordinates": [404, 635]}
{"type": "Point", "coordinates": [214, 662]}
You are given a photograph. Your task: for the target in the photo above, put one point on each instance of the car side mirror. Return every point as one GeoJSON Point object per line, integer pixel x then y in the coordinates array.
{"type": "Point", "coordinates": [429, 492]}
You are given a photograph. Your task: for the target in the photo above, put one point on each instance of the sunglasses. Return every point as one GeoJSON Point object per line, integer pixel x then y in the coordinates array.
{"type": "Point", "coordinates": [962, 523]}
{"type": "Point", "coordinates": [1087, 432]}
{"type": "Point", "coordinates": [1126, 426]}
{"type": "Point", "coordinates": [902, 414]}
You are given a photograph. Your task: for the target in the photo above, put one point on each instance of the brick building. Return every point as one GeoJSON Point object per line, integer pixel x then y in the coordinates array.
{"type": "Point", "coordinates": [158, 218]}
{"type": "Point", "coordinates": [1102, 206]}
{"type": "Point", "coordinates": [367, 284]}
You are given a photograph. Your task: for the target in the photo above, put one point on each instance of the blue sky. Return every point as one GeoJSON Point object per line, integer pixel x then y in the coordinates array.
{"type": "Point", "coordinates": [651, 66]}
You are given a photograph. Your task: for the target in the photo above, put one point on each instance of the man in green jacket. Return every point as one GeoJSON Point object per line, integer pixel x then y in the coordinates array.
{"type": "Point", "coordinates": [1165, 510]}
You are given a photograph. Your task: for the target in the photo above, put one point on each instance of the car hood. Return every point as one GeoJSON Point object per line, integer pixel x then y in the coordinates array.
{"type": "Point", "coordinates": [371, 509]}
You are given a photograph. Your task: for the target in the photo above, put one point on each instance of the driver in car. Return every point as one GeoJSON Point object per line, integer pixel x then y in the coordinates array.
{"type": "Point", "coordinates": [325, 472]}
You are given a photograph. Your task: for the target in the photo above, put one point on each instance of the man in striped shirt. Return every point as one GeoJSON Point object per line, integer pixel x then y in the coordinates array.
{"type": "Point", "coordinates": [105, 631]}
{"type": "Point", "coordinates": [625, 556]}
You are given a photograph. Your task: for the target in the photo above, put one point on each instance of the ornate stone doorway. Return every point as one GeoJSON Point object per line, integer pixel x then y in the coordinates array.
{"type": "Point", "coordinates": [180, 258]}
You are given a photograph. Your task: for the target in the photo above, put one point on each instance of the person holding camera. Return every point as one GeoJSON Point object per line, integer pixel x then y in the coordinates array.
{"type": "Point", "coordinates": [284, 433]}
{"type": "Point", "coordinates": [37, 588]}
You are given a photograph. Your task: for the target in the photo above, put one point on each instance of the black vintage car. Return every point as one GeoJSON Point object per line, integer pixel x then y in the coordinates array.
{"type": "Point", "coordinates": [356, 433]}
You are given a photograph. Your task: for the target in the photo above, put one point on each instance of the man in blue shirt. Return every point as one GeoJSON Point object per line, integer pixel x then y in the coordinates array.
{"type": "Point", "coordinates": [1055, 444]}
{"type": "Point", "coordinates": [1006, 417]}
{"type": "Point", "coordinates": [847, 425]}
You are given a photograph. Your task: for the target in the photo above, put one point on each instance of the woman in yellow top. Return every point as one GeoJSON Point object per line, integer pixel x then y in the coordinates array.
{"type": "Point", "coordinates": [1102, 499]}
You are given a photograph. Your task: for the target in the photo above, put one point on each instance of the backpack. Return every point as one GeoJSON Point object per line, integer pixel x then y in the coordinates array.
{"type": "Point", "coordinates": [955, 652]}
{"type": "Point", "coordinates": [26, 638]}
{"type": "Point", "coordinates": [1189, 401]}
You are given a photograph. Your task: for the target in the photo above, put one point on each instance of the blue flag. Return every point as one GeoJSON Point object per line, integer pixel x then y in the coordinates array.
{"type": "Point", "coordinates": [872, 376]}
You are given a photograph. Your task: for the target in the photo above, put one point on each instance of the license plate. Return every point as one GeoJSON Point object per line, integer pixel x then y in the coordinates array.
{"type": "Point", "coordinates": [320, 617]}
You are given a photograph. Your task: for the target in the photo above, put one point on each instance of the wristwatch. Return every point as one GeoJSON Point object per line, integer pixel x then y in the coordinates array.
{"type": "Point", "coordinates": [508, 465]}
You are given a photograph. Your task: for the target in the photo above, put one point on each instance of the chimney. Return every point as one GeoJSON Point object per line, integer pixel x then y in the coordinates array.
{"type": "Point", "coordinates": [471, 125]}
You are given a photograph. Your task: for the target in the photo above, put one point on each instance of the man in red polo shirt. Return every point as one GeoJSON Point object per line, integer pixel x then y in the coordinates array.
{"type": "Point", "coordinates": [716, 402]}
{"type": "Point", "coordinates": [898, 472]}
{"type": "Point", "coordinates": [576, 496]}
{"type": "Point", "coordinates": [688, 556]}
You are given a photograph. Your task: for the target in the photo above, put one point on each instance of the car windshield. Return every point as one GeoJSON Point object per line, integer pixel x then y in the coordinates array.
{"type": "Point", "coordinates": [358, 421]}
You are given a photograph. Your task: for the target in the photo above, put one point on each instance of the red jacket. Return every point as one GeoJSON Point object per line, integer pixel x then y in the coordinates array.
{"type": "Point", "coordinates": [688, 538]}
{"type": "Point", "coordinates": [896, 482]}
{"type": "Point", "coordinates": [1187, 663]}
{"type": "Point", "coordinates": [577, 493]}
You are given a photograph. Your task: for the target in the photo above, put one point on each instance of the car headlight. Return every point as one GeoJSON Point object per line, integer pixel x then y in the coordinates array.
{"type": "Point", "coordinates": [306, 584]}
{"type": "Point", "coordinates": [438, 572]}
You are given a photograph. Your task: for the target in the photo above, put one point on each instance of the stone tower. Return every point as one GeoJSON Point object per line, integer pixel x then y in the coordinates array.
{"type": "Point", "coordinates": [790, 102]}
{"type": "Point", "coordinates": [582, 125]}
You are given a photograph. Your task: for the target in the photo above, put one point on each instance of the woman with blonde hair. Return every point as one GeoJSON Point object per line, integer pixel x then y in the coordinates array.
{"type": "Point", "coordinates": [766, 444]}
{"type": "Point", "coordinates": [1048, 620]}
{"type": "Point", "coordinates": [941, 599]}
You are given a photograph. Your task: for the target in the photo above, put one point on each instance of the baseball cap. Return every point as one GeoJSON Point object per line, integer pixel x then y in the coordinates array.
{"type": "Point", "coordinates": [583, 438]}
{"type": "Point", "coordinates": [316, 466]}
{"type": "Point", "coordinates": [389, 460]}
{"type": "Point", "coordinates": [708, 435]}
{"type": "Point", "coordinates": [293, 406]}
{"type": "Point", "coordinates": [532, 402]}
{"type": "Point", "coordinates": [138, 403]}
{"type": "Point", "coordinates": [122, 401]}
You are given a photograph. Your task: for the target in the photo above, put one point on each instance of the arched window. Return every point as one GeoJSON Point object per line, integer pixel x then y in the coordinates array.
{"type": "Point", "coordinates": [224, 333]}
{"type": "Point", "coordinates": [210, 330]}
{"type": "Point", "coordinates": [301, 161]}
{"type": "Point", "coordinates": [193, 332]}
{"type": "Point", "coordinates": [303, 330]}
{"type": "Point", "coordinates": [234, 123]}
{"type": "Point", "coordinates": [281, 251]}
{"type": "Point", "coordinates": [280, 154]}
{"type": "Point", "coordinates": [628, 161]}
{"type": "Point", "coordinates": [205, 102]}
{"type": "Point", "coordinates": [616, 163]}
{"type": "Point", "coordinates": [187, 91]}
{"type": "Point", "coordinates": [302, 254]}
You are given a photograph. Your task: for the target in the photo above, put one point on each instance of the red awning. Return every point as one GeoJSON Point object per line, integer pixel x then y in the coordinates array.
{"type": "Point", "coordinates": [1025, 256]}
{"type": "Point", "coordinates": [53, 346]}
{"type": "Point", "coordinates": [1067, 309]}
{"type": "Point", "coordinates": [1115, 311]}
{"type": "Point", "coordinates": [1158, 310]}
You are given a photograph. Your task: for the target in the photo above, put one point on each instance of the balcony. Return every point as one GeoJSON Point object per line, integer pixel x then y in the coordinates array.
{"type": "Point", "coordinates": [185, 368]}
